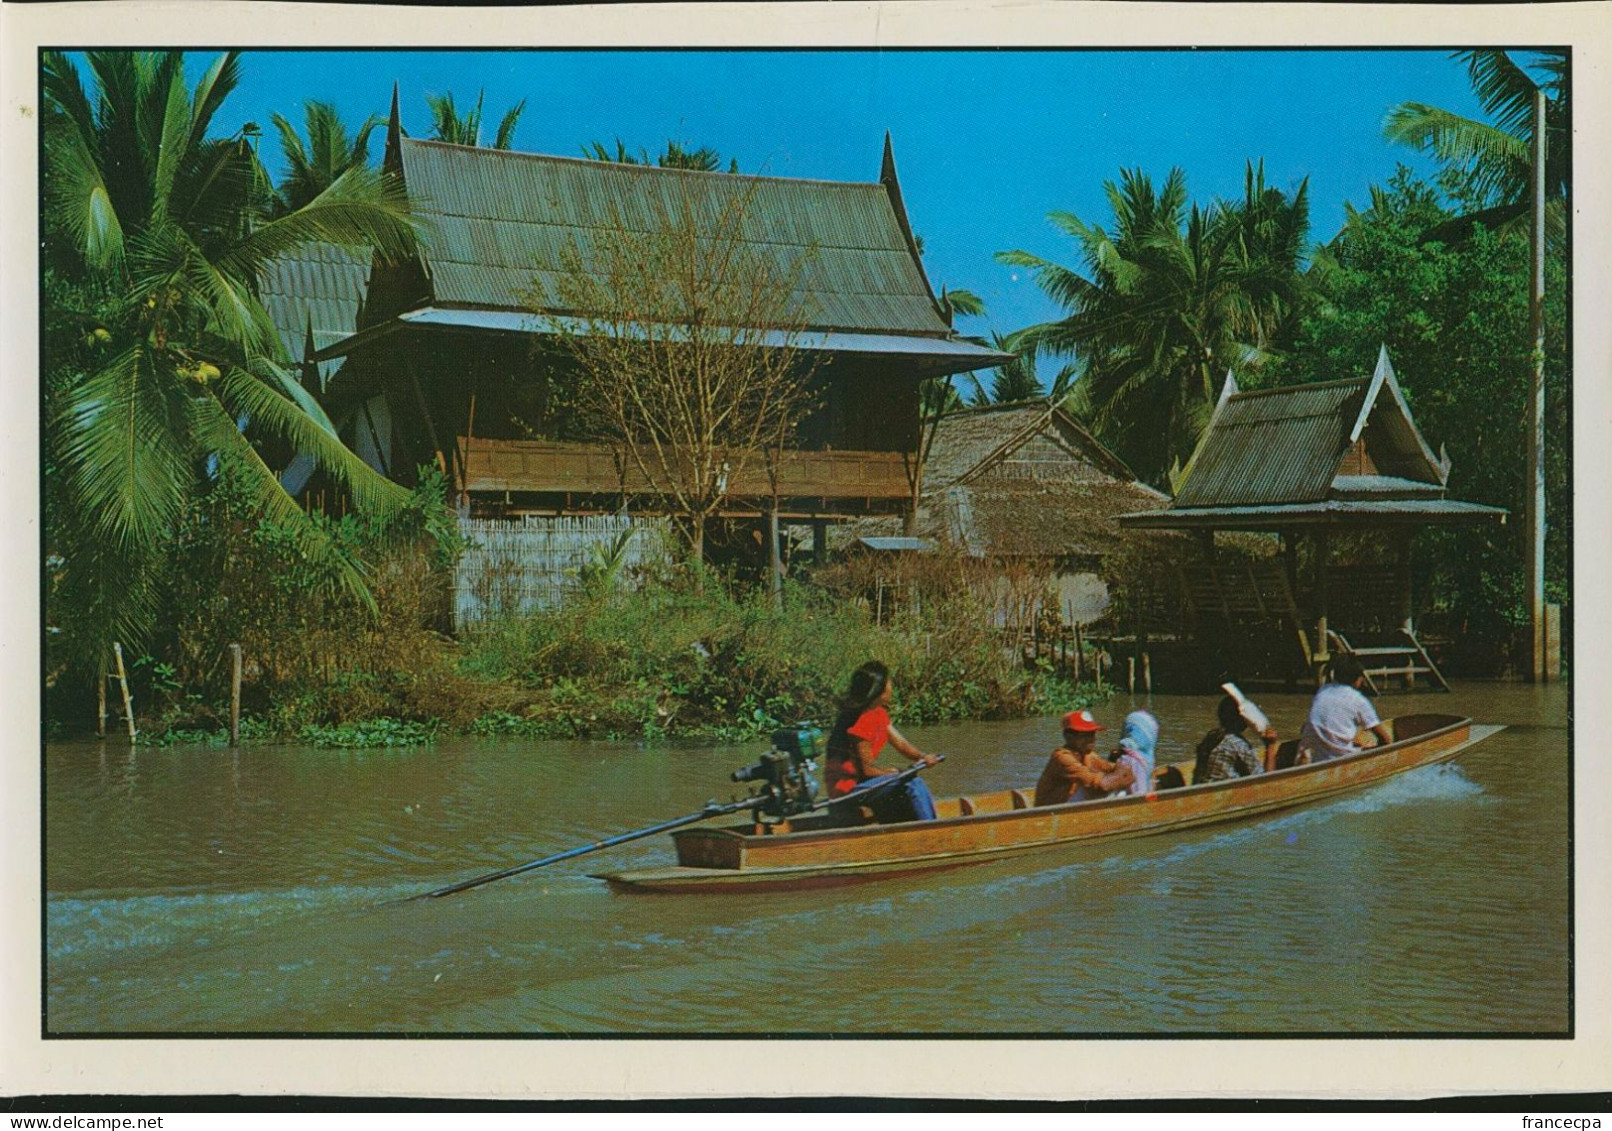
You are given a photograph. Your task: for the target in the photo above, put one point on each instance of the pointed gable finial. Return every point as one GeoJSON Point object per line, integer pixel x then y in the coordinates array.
{"type": "Point", "coordinates": [1385, 368]}
{"type": "Point", "coordinates": [1382, 375]}
{"type": "Point", "coordinates": [1227, 390]}
{"type": "Point", "coordinates": [947, 311]}
{"type": "Point", "coordinates": [393, 162]}
{"type": "Point", "coordinates": [312, 379]}
{"type": "Point", "coordinates": [1179, 474]}
{"type": "Point", "coordinates": [892, 189]}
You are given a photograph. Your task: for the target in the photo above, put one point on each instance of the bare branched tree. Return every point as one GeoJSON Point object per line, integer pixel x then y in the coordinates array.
{"type": "Point", "coordinates": [687, 337]}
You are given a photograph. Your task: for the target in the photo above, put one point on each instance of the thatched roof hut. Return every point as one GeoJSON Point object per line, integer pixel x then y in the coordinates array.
{"type": "Point", "coordinates": [1027, 480]}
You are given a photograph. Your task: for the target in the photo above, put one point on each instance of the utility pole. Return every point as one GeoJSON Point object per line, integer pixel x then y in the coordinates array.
{"type": "Point", "coordinates": [1536, 405]}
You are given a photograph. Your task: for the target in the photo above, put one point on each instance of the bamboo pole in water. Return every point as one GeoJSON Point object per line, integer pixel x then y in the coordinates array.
{"type": "Point", "coordinates": [1130, 674]}
{"type": "Point", "coordinates": [235, 695]}
{"type": "Point", "coordinates": [1147, 673]}
{"type": "Point", "coordinates": [123, 681]}
{"type": "Point", "coordinates": [100, 704]}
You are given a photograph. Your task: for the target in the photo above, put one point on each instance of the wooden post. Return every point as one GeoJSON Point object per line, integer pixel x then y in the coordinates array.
{"type": "Point", "coordinates": [1535, 505]}
{"type": "Point", "coordinates": [1407, 598]}
{"type": "Point", "coordinates": [1147, 674]}
{"type": "Point", "coordinates": [235, 695]}
{"type": "Point", "coordinates": [123, 681]}
{"type": "Point", "coordinates": [1323, 553]}
{"type": "Point", "coordinates": [1553, 642]}
{"type": "Point", "coordinates": [1130, 674]}
{"type": "Point", "coordinates": [425, 414]}
{"type": "Point", "coordinates": [1079, 649]}
{"type": "Point", "coordinates": [464, 457]}
{"type": "Point", "coordinates": [100, 703]}
{"type": "Point", "coordinates": [775, 561]}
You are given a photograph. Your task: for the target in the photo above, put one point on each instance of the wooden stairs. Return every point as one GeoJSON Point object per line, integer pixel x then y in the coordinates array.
{"type": "Point", "coordinates": [1404, 661]}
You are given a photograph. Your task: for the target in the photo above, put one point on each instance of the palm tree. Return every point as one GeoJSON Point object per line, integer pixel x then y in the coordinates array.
{"type": "Point", "coordinates": [328, 153]}
{"type": "Point", "coordinates": [448, 125]}
{"type": "Point", "coordinates": [174, 364]}
{"type": "Point", "coordinates": [1175, 297]}
{"type": "Point", "coordinates": [676, 156]}
{"type": "Point", "coordinates": [1019, 380]}
{"type": "Point", "coordinates": [1496, 157]}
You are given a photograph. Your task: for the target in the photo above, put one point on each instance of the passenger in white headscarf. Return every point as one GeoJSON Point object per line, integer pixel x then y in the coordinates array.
{"type": "Point", "coordinates": [1133, 760]}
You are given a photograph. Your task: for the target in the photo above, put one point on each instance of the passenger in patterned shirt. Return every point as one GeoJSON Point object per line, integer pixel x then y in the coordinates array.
{"type": "Point", "coordinates": [1224, 753]}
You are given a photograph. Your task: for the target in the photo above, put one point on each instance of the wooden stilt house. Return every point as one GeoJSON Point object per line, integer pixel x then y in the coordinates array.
{"type": "Point", "coordinates": [444, 359]}
{"type": "Point", "coordinates": [1318, 465]}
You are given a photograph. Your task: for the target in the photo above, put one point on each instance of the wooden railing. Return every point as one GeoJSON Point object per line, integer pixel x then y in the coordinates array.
{"type": "Point", "coordinates": [555, 466]}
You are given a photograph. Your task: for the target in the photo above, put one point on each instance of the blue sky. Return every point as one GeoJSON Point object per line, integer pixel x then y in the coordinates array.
{"type": "Point", "coordinates": [987, 142]}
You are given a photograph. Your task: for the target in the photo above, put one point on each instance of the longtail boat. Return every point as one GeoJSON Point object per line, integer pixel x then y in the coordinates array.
{"type": "Point", "coordinates": [819, 850]}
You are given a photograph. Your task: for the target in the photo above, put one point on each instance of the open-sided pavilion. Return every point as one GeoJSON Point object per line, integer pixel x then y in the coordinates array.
{"type": "Point", "coordinates": [1315, 464]}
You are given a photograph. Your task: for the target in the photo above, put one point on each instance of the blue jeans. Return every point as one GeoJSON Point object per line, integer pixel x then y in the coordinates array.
{"type": "Point", "coordinates": [891, 804]}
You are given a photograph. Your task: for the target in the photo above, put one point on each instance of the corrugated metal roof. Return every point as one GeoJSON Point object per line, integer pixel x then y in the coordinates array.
{"type": "Point", "coordinates": [1325, 511]}
{"type": "Point", "coordinates": [1273, 446]}
{"type": "Point", "coordinates": [500, 223]}
{"type": "Point", "coordinates": [319, 285]}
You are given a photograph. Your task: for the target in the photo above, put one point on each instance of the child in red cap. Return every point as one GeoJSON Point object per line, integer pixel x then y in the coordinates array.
{"type": "Point", "coordinates": [1072, 762]}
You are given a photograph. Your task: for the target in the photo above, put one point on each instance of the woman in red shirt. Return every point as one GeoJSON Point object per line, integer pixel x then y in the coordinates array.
{"type": "Point", "coordinates": [860, 733]}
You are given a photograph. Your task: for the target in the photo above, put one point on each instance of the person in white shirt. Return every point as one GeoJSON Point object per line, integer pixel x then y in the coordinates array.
{"type": "Point", "coordinates": [1338, 713]}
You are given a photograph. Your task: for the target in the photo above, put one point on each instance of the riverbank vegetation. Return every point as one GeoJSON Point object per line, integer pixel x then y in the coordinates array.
{"type": "Point", "coordinates": [170, 403]}
{"type": "Point", "coordinates": [665, 653]}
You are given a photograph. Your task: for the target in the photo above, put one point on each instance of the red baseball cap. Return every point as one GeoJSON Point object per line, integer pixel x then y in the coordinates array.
{"type": "Point", "coordinates": [1080, 721]}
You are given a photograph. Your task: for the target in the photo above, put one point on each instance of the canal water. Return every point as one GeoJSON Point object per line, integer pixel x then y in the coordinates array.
{"type": "Point", "coordinates": [209, 891]}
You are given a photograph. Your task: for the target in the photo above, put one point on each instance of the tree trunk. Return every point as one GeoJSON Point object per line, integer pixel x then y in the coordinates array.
{"type": "Point", "coordinates": [775, 561]}
{"type": "Point", "coordinates": [696, 547]}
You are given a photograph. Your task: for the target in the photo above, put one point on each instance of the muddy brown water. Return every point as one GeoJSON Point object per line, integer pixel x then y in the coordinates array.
{"type": "Point", "coordinates": [193, 890]}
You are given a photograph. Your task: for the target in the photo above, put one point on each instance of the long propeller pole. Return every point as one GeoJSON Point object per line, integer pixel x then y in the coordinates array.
{"type": "Point", "coordinates": [712, 809]}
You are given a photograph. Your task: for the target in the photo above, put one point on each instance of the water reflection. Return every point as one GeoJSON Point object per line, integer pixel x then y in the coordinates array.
{"type": "Point", "coordinates": [205, 890]}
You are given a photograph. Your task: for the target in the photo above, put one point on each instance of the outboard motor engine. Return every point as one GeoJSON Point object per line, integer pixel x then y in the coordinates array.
{"type": "Point", "coordinates": [787, 774]}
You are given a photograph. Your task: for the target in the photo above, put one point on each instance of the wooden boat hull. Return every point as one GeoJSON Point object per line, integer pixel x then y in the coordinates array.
{"type": "Point", "coordinates": [972, 830]}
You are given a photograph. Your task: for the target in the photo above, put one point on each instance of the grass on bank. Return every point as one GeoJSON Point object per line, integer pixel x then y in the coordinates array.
{"type": "Point", "coordinates": [665, 661]}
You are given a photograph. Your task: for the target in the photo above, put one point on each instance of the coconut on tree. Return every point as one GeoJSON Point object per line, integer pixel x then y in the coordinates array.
{"type": "Point", "coordinates": [163, 371]}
